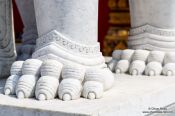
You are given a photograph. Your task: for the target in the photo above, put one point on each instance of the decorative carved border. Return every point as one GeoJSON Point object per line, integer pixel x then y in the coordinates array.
{"type": "Point", "coordinates": [72, 46]}
{"type": "Point", "coordinates": [152, 30]}
{"type": "Point", "coordinates": [151, 38]}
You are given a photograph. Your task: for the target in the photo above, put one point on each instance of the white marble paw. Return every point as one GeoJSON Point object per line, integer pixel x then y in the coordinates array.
{"type": "Point", "coordinates": [143, 62]}
{"type": "Point", "coordinates": [48, 79]}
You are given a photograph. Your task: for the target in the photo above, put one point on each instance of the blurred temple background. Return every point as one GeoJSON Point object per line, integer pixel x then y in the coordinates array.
{"type": "Point", "coordinates": [114, 23]}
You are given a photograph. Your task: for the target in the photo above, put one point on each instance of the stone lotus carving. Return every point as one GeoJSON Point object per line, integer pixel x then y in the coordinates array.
{"type": "Point", "coordinates": [67, 62]}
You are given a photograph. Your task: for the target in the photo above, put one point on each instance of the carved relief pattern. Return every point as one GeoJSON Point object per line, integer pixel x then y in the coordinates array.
{"type": "Point", "coordinates": [152, 38]}
{"type": "Point", "coordinates": [152, 30]}
{"type": "Point", "coordinates": [66, 43]}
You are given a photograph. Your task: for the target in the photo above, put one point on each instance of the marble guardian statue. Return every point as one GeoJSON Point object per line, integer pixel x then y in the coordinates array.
{"type": "Point", "coordinates": [151, 40]}
{"type": "Point", "coordinates": [61, 54]}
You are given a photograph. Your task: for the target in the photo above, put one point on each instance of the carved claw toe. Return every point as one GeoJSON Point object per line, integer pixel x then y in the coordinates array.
{"type": "Point", "coordinates": [27, 82]}
{"type": "Point", "coordinates": [20, 95]}
{"type": "Point", "coordinates": [118, 71]}
{"type": "Point", "coordinates": [93, 89]}
{"type": "Point", "coordinates": [16, 72]}
{"type": "Point", "coordinates": [151, 73]}
{"type": "Point", "coordinates": [91, 96]}
{"type": "Point", "coordinates": [96, 82]}
{"type": "Point", "coordinates": [153, 68]}
{"type": "Point", "coordinates": [48, 86]}
{"type": "Point", "coordinates": [42, 97]}
{"type": "Point", "coordinates": [48, 83]}
{"type": "Point", "coordinates": [71, 84]}
{"type": "Point", "coordinates": [137, 67]}
{"type": "Point", "coordinates": [7, 91]}
{"type": "Point", "coordinates": [134, 72]}
{"type": "Point", "coordinates": [122, 66]}
{"type": "Point", "coordinates": [72, 87]}
{"type": "Point", "coordinates": [169, 69]}
{"type": "Point", "coordinates": [10, 85]}
{"type": "Point", "coordinates": [67, 97]}
{"type": "Point", "coordinates": [169, 73]}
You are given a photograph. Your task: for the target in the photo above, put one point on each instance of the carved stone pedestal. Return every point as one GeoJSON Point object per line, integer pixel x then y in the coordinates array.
{"type": "Point", "coordinates": [130, 96]}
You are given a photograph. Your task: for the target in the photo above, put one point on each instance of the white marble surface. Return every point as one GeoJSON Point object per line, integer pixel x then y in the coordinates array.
{"type": "Point", "coordinates": [154, 12]}
{"type": "Point", "coordinates": [129, 97]}
{"type": "Point", "coordinates": [75, 19]}
{"type": "Point", "coordinates": [152, 25]}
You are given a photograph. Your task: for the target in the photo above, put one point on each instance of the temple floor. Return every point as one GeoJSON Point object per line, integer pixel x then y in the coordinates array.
{"type": "Point", "coordinates": [130, 96]}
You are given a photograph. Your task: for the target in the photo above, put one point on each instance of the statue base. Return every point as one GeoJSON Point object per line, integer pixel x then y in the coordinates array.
{"type": "Point", "coordinates": [129, 96]}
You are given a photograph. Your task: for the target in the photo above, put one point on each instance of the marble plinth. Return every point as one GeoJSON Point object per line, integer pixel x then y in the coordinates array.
{"type": "Point", "coordinates": [130, 96]}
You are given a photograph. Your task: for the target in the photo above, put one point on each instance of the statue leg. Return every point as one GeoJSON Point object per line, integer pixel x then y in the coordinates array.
{"type": "Point", "coordinates": [26, 9]}
{"type": "Point", "coordinates": [67, 46]}
{"type": "Point", "coordinates": [152, 30]}
{"type": "Point", "coordinates": [7, 42]}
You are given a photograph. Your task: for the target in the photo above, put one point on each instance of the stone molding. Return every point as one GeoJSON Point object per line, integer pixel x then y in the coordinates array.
{"type": "Point", "coordinates": [68, 44]}
{"type": "Point", "coordinates": [56, 46]}
{"type": "Point", "coordinates": [152, 38]}
{"type": "Point", "coordinates": [152, 30]}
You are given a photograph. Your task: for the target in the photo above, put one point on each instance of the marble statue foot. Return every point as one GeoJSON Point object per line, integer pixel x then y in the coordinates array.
{"type": "Point", "coordinates": [60, 67]}
{"type": "Point", "coordinates": [24, 52]}
{"type": "Point", "coordinates": [143, 62]}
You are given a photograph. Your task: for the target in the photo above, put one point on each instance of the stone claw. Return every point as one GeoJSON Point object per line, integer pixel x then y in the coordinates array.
{"type": "Point", "coordinates": [67, 97]}
{"type": "Point", "coordinates": [91, 96]}
{"type": "Point", "coordinates": [20, 95]}
{"type": "Point", "coordinates": [42, 97]}
{"type": "Point", "coordinates": [134, 72]}
{"type": "Point", "coordinates": [118, 71]}
{"type": "Point", "coordinates": [7, 91]}
{"type": "Point", "coordinates": [151, 73]}
{"type": "Point", "coordinates": [169, 73]}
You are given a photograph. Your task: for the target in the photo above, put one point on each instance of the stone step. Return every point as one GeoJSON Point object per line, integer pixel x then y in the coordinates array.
{"type": "Point", "coordinates": [130, 96]}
